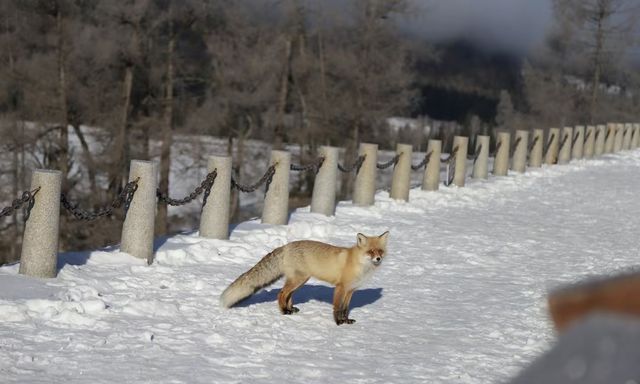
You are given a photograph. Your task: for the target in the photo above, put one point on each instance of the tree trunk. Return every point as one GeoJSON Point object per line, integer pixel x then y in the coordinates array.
{"type": "Point", "coordinates": [62, 162]}
{"type": "Point", "coordinates": [93, 198]}
{"type": "Point", "coordinates": [167, 139]}
{"type": "Point", "coordinates": [278, 134]}
{"type": "Point", "coordinates": [122, 151]}
{"type": "Point", "coordinates": [597, 66]}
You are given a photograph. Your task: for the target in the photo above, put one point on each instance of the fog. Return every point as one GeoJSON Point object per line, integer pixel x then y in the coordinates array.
{"type": "Point", "coordinates": [497, 25]}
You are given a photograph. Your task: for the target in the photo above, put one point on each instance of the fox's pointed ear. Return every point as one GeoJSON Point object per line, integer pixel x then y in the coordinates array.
{"type": "Point", "coordinates": [362, 240]}
{"type": "Point", "coordinates": [383, 237]}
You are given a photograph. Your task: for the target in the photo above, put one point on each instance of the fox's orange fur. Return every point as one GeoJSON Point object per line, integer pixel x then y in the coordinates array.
{"type": "Point", "coordinates": [346, 268]}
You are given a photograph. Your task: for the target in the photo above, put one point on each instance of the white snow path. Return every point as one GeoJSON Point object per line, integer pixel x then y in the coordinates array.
{"type": "Point", "coordinates": [460, 297]}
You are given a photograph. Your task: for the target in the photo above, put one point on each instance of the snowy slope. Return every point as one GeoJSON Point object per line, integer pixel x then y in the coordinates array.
{"type": "Point", "coordinates": [460, 297]}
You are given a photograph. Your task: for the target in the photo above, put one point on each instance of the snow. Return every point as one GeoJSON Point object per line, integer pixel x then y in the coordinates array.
{"type": "Point", "coordinates": [460, 297]}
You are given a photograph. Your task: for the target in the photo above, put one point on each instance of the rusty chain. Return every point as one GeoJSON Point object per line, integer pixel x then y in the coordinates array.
{"type": "Point", "coordinates": [533, 144]}
{"type": "Point", "coordinates": [546, 148]}
{"type": "Point", "coordinates": [26, 199]}
{"type": "Point", "coordinates": [575, 138]}
{"type": "Point", "coordinates": [266, 178]}
{"type": "Point", "coordinates": [586, 137]}
{"type": "Point", "coordinates": [515, 146]}
{"type": "Point", "coordinates": [424, 162]}
{"type": "Point", "coordinates": [355, 166]}
{"type": "Point", "coordinates": [496, 149]}
{"type": "Point", "coordinates": [564, 140]}
{"type": "Point", "coordinates": [389, 163]}
{"type": "Point", "coordinates": [477, 154]}
{"type": "Point", "coordinates": [451, 156]}
{"type": "Point", "coordinates": [315, 166]}
{"type": "Point", "coordinates": [205, 186]}
{"type": "Point", "coordinates": [124, 198]}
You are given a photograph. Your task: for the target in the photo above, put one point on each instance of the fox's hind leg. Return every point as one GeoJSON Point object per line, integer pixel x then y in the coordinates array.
{"type": "Point", "coordinates": [285, 297]}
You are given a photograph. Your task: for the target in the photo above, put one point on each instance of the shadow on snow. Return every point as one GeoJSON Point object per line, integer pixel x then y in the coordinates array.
{"type": "Point", "coordinates": [322, 293]}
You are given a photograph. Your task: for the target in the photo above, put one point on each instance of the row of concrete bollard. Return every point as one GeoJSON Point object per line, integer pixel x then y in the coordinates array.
{"type": "Point", "coordinates": [40, 244]}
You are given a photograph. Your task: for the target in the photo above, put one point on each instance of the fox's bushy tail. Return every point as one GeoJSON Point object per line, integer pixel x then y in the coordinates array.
{"type": "Point", "coordinates": [266, 272]}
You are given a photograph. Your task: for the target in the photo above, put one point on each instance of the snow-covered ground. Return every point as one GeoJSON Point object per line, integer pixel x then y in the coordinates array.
{"type": "Point", "coordinates": [460, 297]}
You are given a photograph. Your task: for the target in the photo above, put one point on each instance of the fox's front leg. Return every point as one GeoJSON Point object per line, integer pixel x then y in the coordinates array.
{"type": "Point", "coordinates": [341, 299]}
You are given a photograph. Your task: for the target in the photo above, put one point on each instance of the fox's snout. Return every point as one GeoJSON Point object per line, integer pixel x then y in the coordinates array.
{"type": "Point", "coordinates": [377, 260]}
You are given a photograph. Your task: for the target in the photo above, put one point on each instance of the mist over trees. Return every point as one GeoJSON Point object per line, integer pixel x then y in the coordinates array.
{"type": "Point", "coordinates": [132, 73]}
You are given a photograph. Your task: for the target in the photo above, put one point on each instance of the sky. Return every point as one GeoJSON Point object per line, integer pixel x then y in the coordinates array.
{"type": "Point", "coordinates": [498, 25]}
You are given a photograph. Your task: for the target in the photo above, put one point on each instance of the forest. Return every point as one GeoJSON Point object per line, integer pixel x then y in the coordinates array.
{"type": "Point", "coordinates": [133, 74]}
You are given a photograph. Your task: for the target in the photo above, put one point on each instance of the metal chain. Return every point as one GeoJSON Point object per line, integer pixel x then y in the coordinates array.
{"type": "Point", "coordinates": [355, 166]}
{"type": "Point", "coordinates": [205, 186]}
{"type": "Point", "coordinates": [575, 138]}
{"type": "Point", "coordinates": [477, 154]}
{"type": "Point", "coordinates": [564, 140]}
{"type": "Point", "coordinates": [497, 148]}
{"type": "Point", "coordinates": [266, 178]}
{"type": "Point", "coordinates": [606, 136]}
{"type": "Point", "coordinates": [315, 166]}
{"type": "Point", "coordinates": [424, 162]}
{"type": "Point", "coordinates": [27, 197]}
{"type": "Point", "coordinates": [546, 149]}
{"type": "Point", "coordinates": [451, 169]}
{"type": "Point", "coordinates": [125, 197]}
{"type": "Point", "coordinates": [586, 137]}
{"type": "Point", "coordinates": [451, 156]}
{"type": "Point", "coordinates": [533, 144]}
{"type": "Point", "coordinates": [515, 146]}
{"type": "Point", "coordinates": [389, 163]}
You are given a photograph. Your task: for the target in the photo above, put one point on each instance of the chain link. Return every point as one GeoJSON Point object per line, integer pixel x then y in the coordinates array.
{"type": "Point", "coordinates": [389, 163]}
{"type": "Point", "coordinates": [266, 178]}
{"type": "Point", "coordinates": [26, 199]}
{"type": "Point", "coordinates": [355, 166]}
{"type": "Point", "coordinates": [477, 154]}
{"type": "Point", "coordinates": [124, 198]}
{"type": "Point", "coordinates": [497, 148]}
{"type": "Point", "coordinates": [586, 137]}
{"type": "Point", "coordinates": [424, 162]}
{"type": "Point", "coordinates": [575, 138]}
{"type": "Point", "coordinates": [451, 168]}
{"type": "Point", "coordinates": [533, 144]}
{"type": "Point", "coordinates": [315, 166]}
{"type": "Point", "coordinates": [515, 146]}
{"type": "Point", "coordinates": [451, 156]}
{"type": "Point", "coordinates": [546, 149]}
{"type": "Point", "coordinates": [205, 186]}
{"type": "Point", "coordinates": [564, 140]}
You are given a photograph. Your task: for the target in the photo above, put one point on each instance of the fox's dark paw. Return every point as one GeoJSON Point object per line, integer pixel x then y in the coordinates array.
{"type": "Point", "coordinates": [290, 311]}
{"type": "Point", "coordinates": [345, 321]}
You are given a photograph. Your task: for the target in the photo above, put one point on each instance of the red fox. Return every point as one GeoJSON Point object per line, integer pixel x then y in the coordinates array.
{"type": "Point", "coordinates": [346, 268]}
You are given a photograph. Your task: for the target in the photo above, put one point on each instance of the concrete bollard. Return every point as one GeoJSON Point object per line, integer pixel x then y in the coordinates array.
{"type": "Point", "coordinates": [138, 226]}
{"type": "Point", "coordinates": [589, 141]}
{"type": "Point", "coordinates": [214, 220]}
{"type": "Point", "coordinates": [364, 189]}
{"type": "Point", "coordinates": [501, 161]}
{"type": "Point", "coordinates": [635, 140]}
{"type": "Point", "coordinates": [39, 257]}
{"type": "Point", "coordinates": [537, 147]}
{"type": "Point", "coordinates": [431, 179]}
{"type": "Point", "coordinates": [553, 144]}
{"type": "Point", "coordinates": [577, 152]}
{"type": "Point", "coordinates": [601, 133]}
{"type": "Point", "coordinates": [519, 163]}
{"type": "Point", "coordinates": [564, 152]}
{"type": "Point", "coordinates": [617, 142]}
{"type": "Point", "coordinates": [626, 139]}
{"type": "Point", "coordinates": [609, 137]}
{"type": "Point", "coordinates": [481, 165]}
{"type": "Point", "coordinates": [276, 199]}
{"type": "Point", "coordinates": [323, 199]}
{"type": "Point", "coordinates": [460, 169]}
{"type": "Point", "coordinates": [401, 181]}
